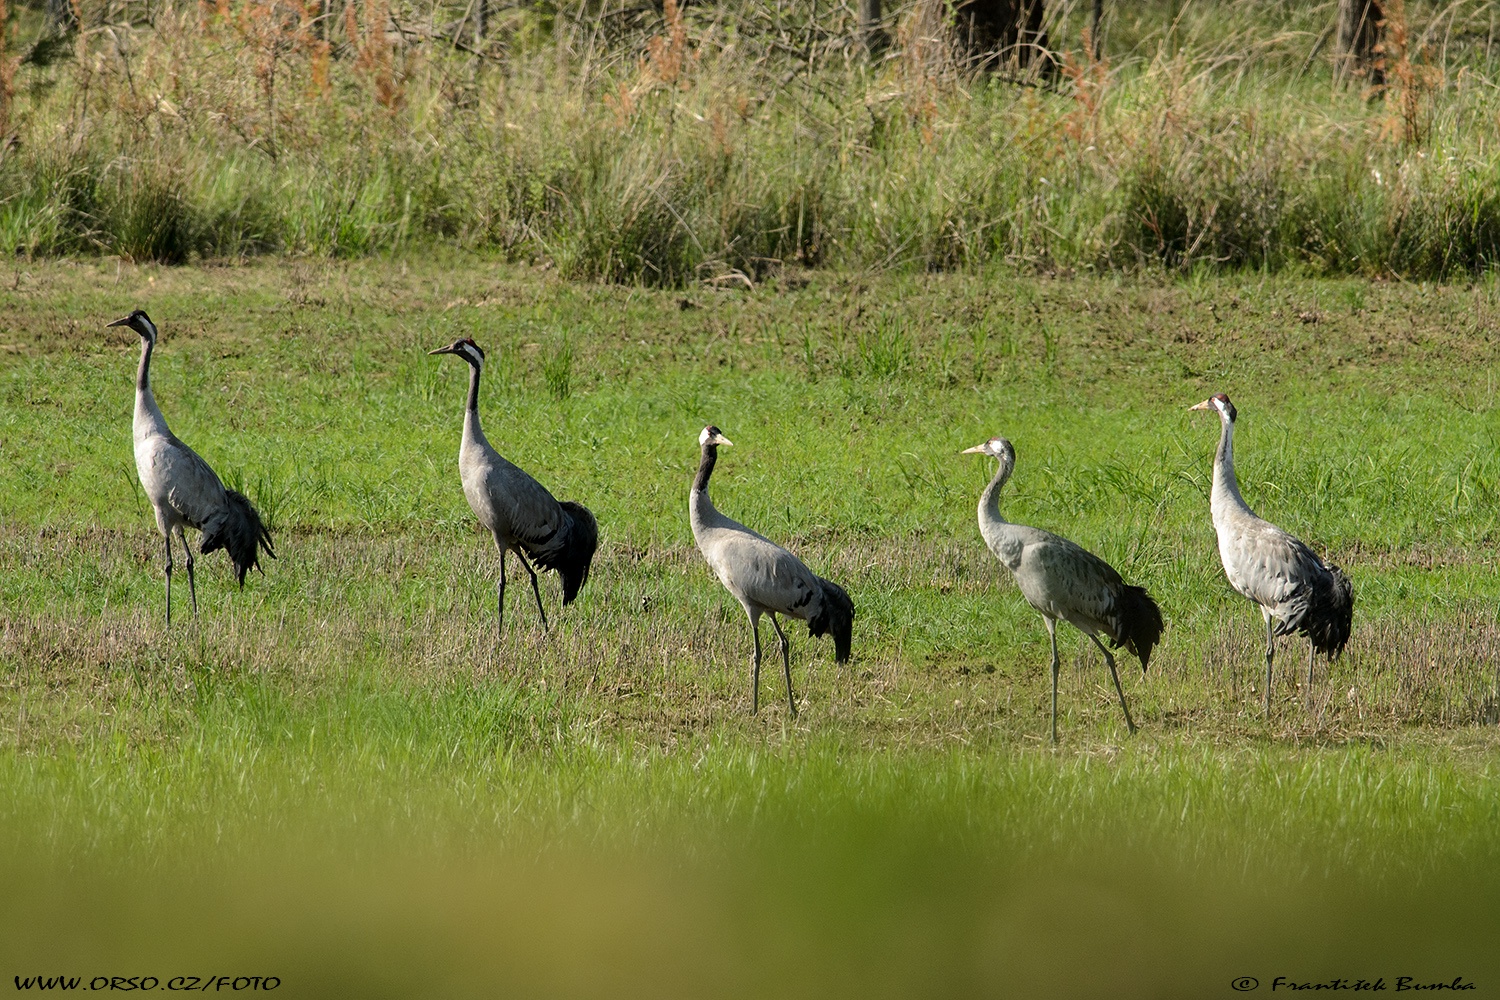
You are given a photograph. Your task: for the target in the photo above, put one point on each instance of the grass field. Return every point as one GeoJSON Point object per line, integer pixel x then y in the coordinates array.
{"type": "Point", "coordinates": [337, 777]}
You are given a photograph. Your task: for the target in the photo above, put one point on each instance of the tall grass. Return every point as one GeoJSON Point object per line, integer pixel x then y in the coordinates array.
{"type": "Point", "coordinates": [718, 142]}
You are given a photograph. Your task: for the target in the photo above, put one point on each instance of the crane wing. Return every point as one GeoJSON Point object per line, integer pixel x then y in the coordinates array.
{"type": "Point", "coordinates": [756, 569]}
{"type": "Point", "coordinates": [535, 515]}
{"type": "Point", "coordinates": [1064, 580]}
{"type": "Point", "coordinates": [195, 491]}
{"type": "Point", "coordinates": [1272, 568]}
{"type": "Point", "coordinates": [508, 501]}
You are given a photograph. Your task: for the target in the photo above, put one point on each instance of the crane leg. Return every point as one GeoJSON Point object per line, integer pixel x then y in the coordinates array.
{"type": "Point", "coordinates": [1310, 652]}
{"type": "Point", "coordinates": [167, 537]}
{"type": "Point", "coordinates": [1052, 632]}
{"type": "Point", "coordinates": [1114, 674]}
{"type": "Point", "coordinates": [755, 667]}
{"type": "Point", "coordinates": [192, 587]}
{"type": "Point", "coordinates": [500, 600]}
{"type": "Point", "coordinates": [1270, 655]}
{"type": "Point", "coordinates": [786, 663]}
{"type": "Point", "coordinates": [534, 588]}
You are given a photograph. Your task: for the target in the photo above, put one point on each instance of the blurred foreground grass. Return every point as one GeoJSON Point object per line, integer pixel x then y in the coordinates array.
{"type": "Point", "coordinates": [766, 864]}
{"type": "Point", "coordinates": [337, 777]}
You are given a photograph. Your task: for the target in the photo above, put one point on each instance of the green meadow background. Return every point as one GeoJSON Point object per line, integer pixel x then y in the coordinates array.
{"type": "Point", "coordinates": [856, 266]}
{"type": "Point", "coordinates": [338, 777]}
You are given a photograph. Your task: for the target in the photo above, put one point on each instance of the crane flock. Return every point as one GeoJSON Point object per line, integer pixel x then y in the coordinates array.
{"type": "Point", "coordinates": [1295, 590]}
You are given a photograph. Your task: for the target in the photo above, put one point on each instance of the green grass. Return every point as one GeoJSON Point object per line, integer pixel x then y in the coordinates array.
{"type": "Point", "coordinates": [337, 776]}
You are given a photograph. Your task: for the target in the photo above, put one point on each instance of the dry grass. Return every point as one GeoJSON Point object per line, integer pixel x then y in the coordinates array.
{"type": "Point", "coordinates": [720, 143]}
{"type": "Point", "coordinates": [656, 654]}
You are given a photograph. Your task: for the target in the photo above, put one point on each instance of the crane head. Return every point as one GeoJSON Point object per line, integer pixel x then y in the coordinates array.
{"type": "Point", "coordinates": [465, 348]}
{"type": "Point", "coordinates": [711, 435]}
{"type": "Point", "coordinates": [995, 447]}
{"type": "Point", "coordinates": [140, 323]}
{"type": "Point", "coordinates": [1220, 402]}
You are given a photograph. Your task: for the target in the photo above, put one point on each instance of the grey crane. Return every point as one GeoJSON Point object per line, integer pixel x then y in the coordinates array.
{"type": "Point", "coordinates": [183, 490]}
{"type": "Point", "coordinates": [1063, 580]}
{"type": "Point", "coordinates": [764, 577]}
{"type": "Point", "coordinates": [518, 510]}
{"type": "Point", "coordinates": [1296, 591]}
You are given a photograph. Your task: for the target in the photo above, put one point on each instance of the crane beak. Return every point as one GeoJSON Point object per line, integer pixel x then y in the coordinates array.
{"type": "Point", "coordinates": [440, 350]}
{"type": "Point", "coordinates": [721, 441]}
{"type": "Point", "coordinates": [119, 322]}
{"type": "Point", "coordinates": [978, 449]}
{"type": "Point", "coordinates": [1207, 404]}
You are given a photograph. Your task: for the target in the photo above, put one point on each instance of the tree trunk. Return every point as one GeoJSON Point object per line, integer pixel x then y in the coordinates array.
{"type": "Point", "coordinates": [994, 33]}
{"type": "Point", "coordinates": [1360, 31]}
{"type": "Point", "coordinates": [871, 35]}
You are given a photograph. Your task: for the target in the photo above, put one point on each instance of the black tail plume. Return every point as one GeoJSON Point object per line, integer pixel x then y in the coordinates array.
{"type": "Point", "coordinates": [1140, 623]}
{"type": "Point", "coordinates": [1330, 613]}
{"type": "Point", "coordinates": [836, 617]}
{"type": "Point", "coordinates": [238, 529]}
{"type": "Point", "coordinates": [572, 559]}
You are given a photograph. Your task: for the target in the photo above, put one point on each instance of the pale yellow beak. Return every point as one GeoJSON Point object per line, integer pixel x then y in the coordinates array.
{"type": "Point", "coordinates": [721, 440]}
{"type": "Point", "coordinates": [978, 449]}
{"type": "Point", "coordinates": [1207, 404]}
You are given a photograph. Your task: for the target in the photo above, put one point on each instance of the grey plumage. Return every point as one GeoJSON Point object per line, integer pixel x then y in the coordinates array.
{"type": "Point", "coordinates": [1296, 590]}
{"type": "Point", "coordinates": [764, 577]}
{"type": "Point", "coordinates": [1063, 580]}
{"type": "Point", "coordinates": [518, 511]}
{"type": "Point", "coordinates": [183, 490]}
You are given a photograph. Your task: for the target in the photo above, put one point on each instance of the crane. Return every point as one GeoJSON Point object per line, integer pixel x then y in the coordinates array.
{"type": "Point", "coordinates": [1063, 580]}
{"type": "Point", "coordinates": [764, 577]}
{"type": "Point", "coordinates": [1296, 590]}
{"type": "Point", "coordinates": [518, 510]}
{"type": "Point", "coordinates": [183, 490]}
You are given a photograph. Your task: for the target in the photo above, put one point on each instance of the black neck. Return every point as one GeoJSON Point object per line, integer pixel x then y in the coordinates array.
{"type": "Point", "coordinates": [473, 388]}
{"type": "Point", "coordinates": [143, 373]}
{"type": "Point", "coordinates": [706, 467]}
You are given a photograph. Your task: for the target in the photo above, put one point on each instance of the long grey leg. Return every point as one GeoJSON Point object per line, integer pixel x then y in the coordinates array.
{"type": "Point", "coordinates": [167, 538]}
{"type": "Point", "coordinates": [786, 663]}
{"type": "Point", "coordinates": [500, 600]}
{"type": "Point", "coordinates": [1115, 675]}
{"type": "Point", "coordinates": [1052, 632]}
{"type": "Point", "coordinates": [755, 666]}
{"type": "Point", "coordinates": [192, 587]}
{"type": "Point", "coordinates": [1310, 652]}
{"type": "Point", "coordinates": [534, 588]}
{"type": "Point", "coordinates": [1270, 655]}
